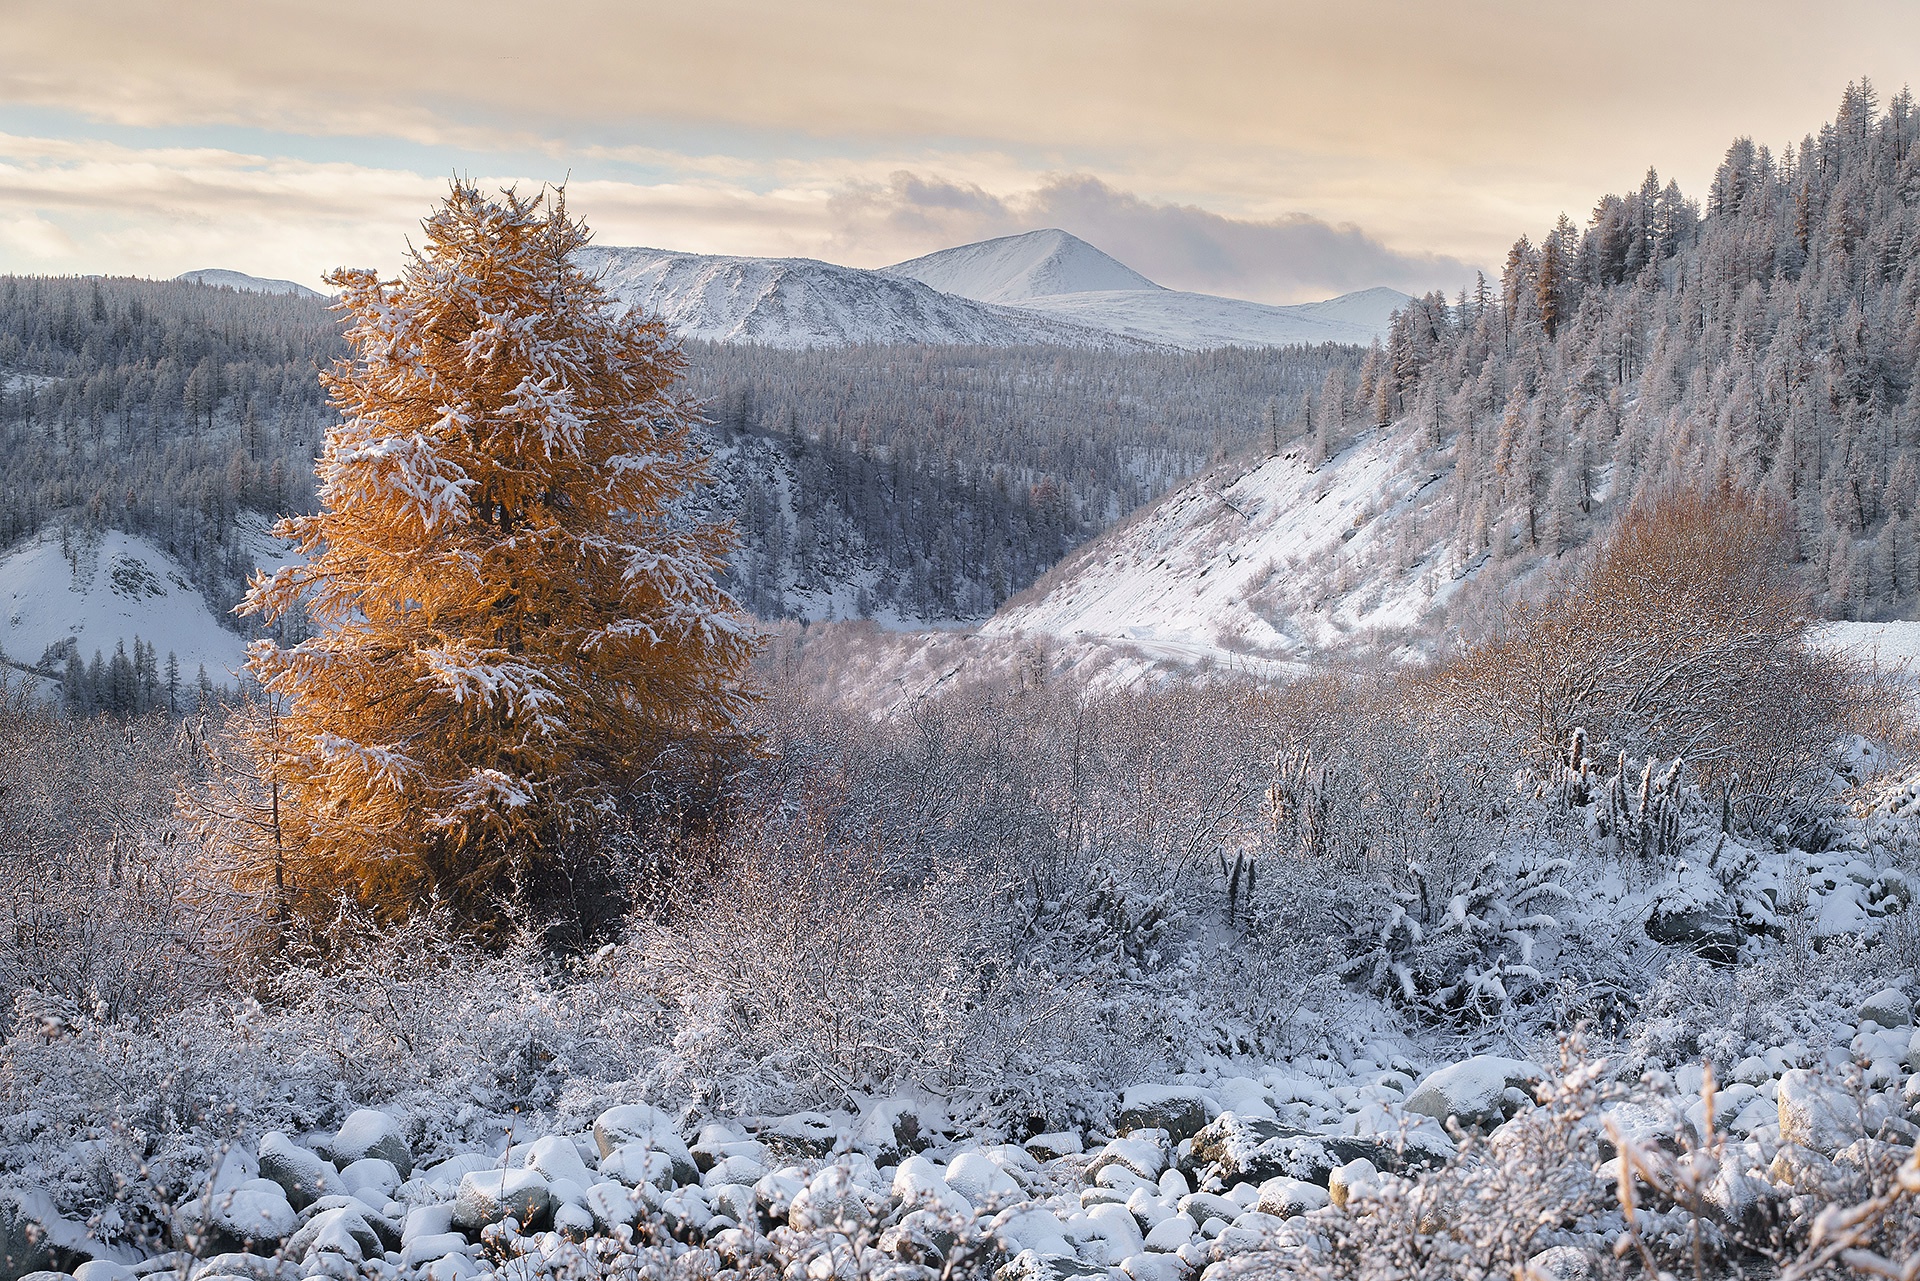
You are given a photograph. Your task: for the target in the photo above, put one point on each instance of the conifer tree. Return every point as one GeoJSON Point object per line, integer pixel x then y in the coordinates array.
{"type": "Point", "coordinates": [514, 618]}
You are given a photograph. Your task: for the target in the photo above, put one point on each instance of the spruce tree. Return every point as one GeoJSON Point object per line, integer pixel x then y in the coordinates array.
{"type": "Point", "coordinates": [514, 618]}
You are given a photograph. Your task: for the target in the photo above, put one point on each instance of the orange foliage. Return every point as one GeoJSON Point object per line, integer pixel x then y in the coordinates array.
{"type": "Point", "coordinates": [515, 618]}
{"type": "Point", "coordinates": [1682, 634]}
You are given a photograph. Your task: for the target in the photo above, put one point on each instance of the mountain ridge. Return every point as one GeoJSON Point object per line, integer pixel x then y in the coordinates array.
{"type": "Point", "coordinates": [221, 277]}
{"type": "Point", "coordinates": [803, 302]}
{"type": "Point", "coordinates": [1020, 290]}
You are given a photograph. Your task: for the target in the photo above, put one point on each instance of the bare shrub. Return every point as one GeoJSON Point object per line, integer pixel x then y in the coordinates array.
{"type": "Point", "coordinates": [92, 873]}
{"type": "Point", "coordinates": [1682, 635]}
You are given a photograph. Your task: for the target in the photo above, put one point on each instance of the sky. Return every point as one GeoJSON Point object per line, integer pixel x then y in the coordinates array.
{"type": "Point", "coordinates": [1262, 149]}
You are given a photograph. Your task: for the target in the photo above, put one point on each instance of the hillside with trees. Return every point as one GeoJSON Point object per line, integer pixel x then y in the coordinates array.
{"type": "Point", "coordinates": [927, 483]}
{"type": "Point", "coordinates": [1765, 336]}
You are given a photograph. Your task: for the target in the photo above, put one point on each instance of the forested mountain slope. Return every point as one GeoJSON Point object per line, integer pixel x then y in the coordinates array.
{"type": "Point", "coordinates": [160, 408]}
{"type": "Point", "coordinates": [1765, 338]}
{"type": "Point", "coordinates": [911, 483]}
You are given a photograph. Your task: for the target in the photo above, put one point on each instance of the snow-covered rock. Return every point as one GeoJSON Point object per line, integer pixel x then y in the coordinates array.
{"type": "Point", "coordinates": [35, 1236]}
{"type": "Point", "coordinates": [1480, 1092]}
{"type": "Point", "coordinates": [343, 1231]}
{"type": "Point", "coordinates": [558, 1158]}
{"type": "Point", "coordinates": [1284, 1197]}
{"type": "Point", "coordinates": [373, 1179]}
{"type": "Point", "coordinates": [488, 1196]}
{"type": "Point", "coordinates": [369, 1133]}
{"type": "Point", "coordinates": [301, 1173]}
{"type": "Point", "coordinates": [1182, 1111]}
{"type": "Point", "coordinates": [981, 1180]}
{"type": "Point", "coordinates": [1815, 1115]}
{"type": "Point", "coordinates": [1889, 1007]}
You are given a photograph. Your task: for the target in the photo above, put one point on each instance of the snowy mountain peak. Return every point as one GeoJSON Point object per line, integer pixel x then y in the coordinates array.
{"type": "Point", "coordinates": [801, 302]}
{"type": "Point", "coordinates": [217, 277]}
{"type": "Point", "coordinates": [1013, 269]}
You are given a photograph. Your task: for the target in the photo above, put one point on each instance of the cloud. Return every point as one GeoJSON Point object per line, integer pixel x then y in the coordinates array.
{"type": "Point", "coordinates": [90, 205]}
{"type": "Point", "coordinates": [1291, 258]}
{"type": "Point", "coordinates": [1449, 127]}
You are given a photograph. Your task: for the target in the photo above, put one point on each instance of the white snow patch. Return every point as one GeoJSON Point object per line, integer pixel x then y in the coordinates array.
{"type": "Point", "coordinates": [114, 587]}
{"type": "Point", "coordinates": [1017, 269]}
{"type": "Point", "coordinates": [1242, 566]}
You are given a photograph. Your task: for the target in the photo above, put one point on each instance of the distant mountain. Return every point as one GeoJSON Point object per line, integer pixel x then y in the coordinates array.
{"type": "Point", "coordinates": [1041, 287]}
{"type": "Point", "coordinates": [1371, 309]}
{"type": "Point", "coordinates": [1061, 276]}
{"type": "Point", "coordinates": [217, 277]}
{"type": "Point", "coordinates": [799, 302]}
{"type": "Point", "coordinates": [1015, 269]}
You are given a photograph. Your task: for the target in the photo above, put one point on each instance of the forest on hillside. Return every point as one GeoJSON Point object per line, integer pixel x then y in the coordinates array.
{"type": "Point", "coordinates": [929, 482]}
{"type": "Point", "coordinates": [1766, 336]}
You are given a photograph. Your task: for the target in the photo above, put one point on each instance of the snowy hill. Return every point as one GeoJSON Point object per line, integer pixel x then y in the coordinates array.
{"type": "Point", "coordinates": [1270, 562]}
{"type": "Point", "coordinates": [1064, 277]}
{"type": "Point", "coordinates": [101, 592]}
{"type": "Point", "coordinates": [1014, 269]}
{"type": "Point", "coordinates": [217, 277]}
{"type": "Point", "coordinates": [799, 302]}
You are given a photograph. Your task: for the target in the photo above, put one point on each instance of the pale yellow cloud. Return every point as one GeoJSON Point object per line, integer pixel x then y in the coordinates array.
{"type": "Point", "coordinates": [1443, 128]}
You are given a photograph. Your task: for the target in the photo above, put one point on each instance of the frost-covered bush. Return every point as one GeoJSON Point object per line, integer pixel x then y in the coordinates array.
{"type": "Point", "coordinates": [96, 910]}
{"type": "Point", "coordinates": [1681, 635]}
{"type": "Point", "coordinates": [1463, 950]}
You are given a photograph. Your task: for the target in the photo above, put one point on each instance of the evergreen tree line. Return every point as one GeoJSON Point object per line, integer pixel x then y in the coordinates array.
{"type": "Point", "coordinates": [945, 479]}
{"type": "Point", "coordinates": [1767, 342]}
{"type": "Point", "coordinates": [128, 685]}
{"type": "Point", "coordinates": [163, 408]}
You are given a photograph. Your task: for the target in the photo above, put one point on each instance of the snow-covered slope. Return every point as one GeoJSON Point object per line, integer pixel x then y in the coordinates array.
{"type": "Point", "coordinates": [1371, 309]}
{"type": "Point", "coordinates": [1200, 321]}
{"type": "Point", "coordinates": [799, 302]}
{"type": "Point", "coordinates": [1013, 269]}
{"type": "Point", "coordinates": [1278, 560]}
{"type": "Point", "coordinates": [241, 281]}
{"type": "Point", "coordinates": [102, 591]}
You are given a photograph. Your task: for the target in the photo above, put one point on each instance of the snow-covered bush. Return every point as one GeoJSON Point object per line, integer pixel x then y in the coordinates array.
{"type": "Point", "coordinates": [1459, 950]}
{"type": "Point", "coordinates": [96, 911]}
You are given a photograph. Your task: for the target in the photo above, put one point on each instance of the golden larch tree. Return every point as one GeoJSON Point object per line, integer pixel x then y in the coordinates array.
{"type": "Point", "coordinates": [515, 615]}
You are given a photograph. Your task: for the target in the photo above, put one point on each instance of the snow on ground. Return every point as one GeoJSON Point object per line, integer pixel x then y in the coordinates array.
{"type": "Point", "coordinates": [1244, 562]}
{"type": "Point", "coordinates": [101, 592]}
{"type": "Point", "coordinates": [1893, 646]}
